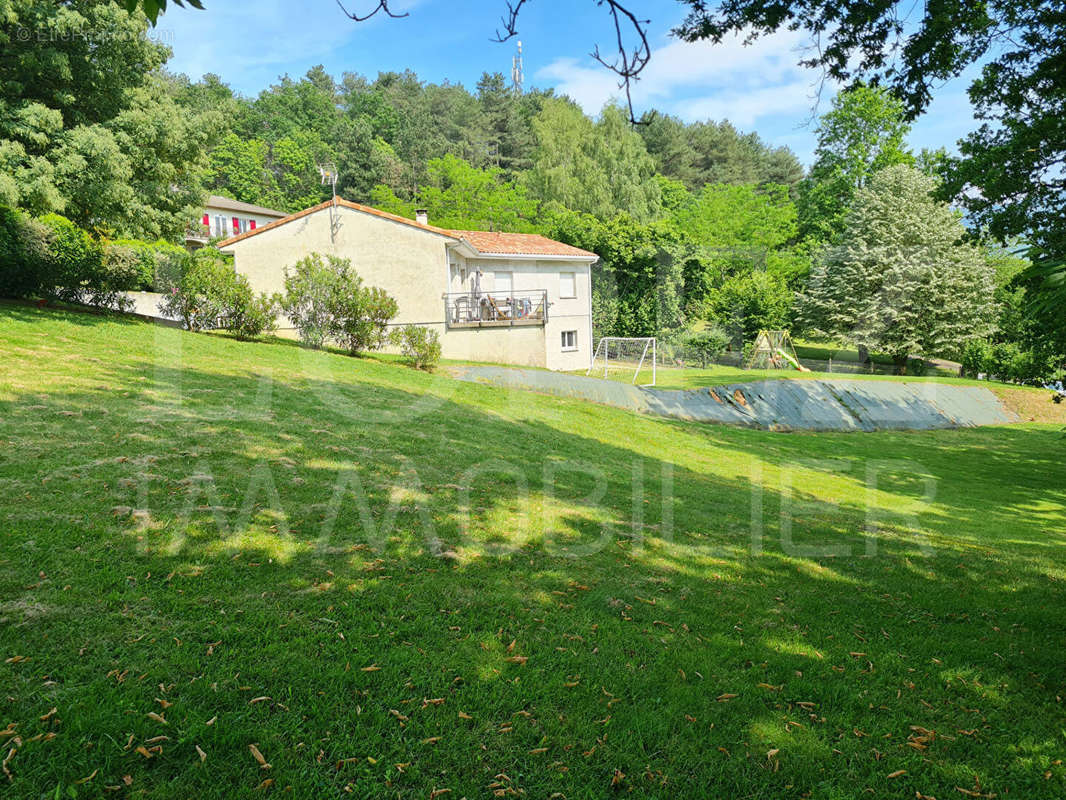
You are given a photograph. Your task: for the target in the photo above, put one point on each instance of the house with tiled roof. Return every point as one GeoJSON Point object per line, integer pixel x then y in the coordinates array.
{"type": "Point", "coordinates": [509, 298]}
{"type": "Point", "coordinates": [224, 216]}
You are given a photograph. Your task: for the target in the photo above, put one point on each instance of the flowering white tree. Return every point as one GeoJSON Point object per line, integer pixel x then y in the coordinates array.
{"type": "Point", "coordinates": [902, 281]}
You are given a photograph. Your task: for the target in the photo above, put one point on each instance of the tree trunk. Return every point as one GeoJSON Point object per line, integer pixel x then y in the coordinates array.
{"type": "Point", "coordinates": [864, 354]}
{"type": "Point", "coordinates": [900, 364]}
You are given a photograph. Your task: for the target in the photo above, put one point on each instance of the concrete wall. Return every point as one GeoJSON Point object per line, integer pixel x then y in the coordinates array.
{"type": "Point", "coordinates": [522, 346]}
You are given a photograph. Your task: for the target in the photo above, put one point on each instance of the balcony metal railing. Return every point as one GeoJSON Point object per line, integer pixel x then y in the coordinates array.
{"type": "Point", "coordinates": [496, 309]}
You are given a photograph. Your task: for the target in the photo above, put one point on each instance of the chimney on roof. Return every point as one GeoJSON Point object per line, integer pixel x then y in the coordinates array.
{"type": "Point", "coordinates": [422, 216]}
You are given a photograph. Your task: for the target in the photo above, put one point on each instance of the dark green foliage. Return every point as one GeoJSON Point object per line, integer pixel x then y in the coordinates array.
{"type": "Point", "coordinates": [325, 299]}
{"type": "Point", "coordinates": [420, 345]}
{"type": "Point", "coordinates": [25, 268]}
{"type": "Point", "coordinates": [78, 271]}
{"type": "Point", "coordinates": [707, 344]}
{"type": "Point", "coordinates": [88, 126]}
{"type": "Point", "coordinates": [151, 266]}
{"type": "Point", "coordinates": [715, 152]}
{"type": "Point", "coordinates": [747, 304]}
{"type": "Point", "coordinates": [864, 132]}
{"type": "Point", "coordinates": [637, 285]}
{"type": "Point", "coordinates": [210, 294]}
{"type": "Point", "coordinates": [361, 315]}
{"type": "Point", "coordinates": [1008, 361]}
{"type": "Point", "coordinates": [1009, 171]}
{"type": "Point", "coordinates": [309, 287]}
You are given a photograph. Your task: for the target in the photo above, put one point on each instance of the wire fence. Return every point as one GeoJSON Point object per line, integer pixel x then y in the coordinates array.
{"type": "Point", "coordinates": [679, 356]}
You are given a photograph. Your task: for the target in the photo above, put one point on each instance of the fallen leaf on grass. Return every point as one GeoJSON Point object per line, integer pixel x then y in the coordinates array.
{"type": "Point", "coordinates": [201, 753]}
{"type": "Point", "coordinates": [255, 700]}
{"type": "Point", "coordinates": [897, 774]}
{"type": "Point", "coordinates": [725, 698]}
{"type": "Point", "coordinates": [266, 784]}
{"type": "Point", "coordinates": [431, 740]}
{"type": "Point", "coordinates": [157, 717]}
{"type": "Point", "coordinates": [49, 715]}
{"type": "Point", "coordinates": [371, 668]}
{"type": "Point", "coordinates": [143, 751]}
{"type": "Point", "coordinates": [464, 715]}
{"type": "Point", "coordinates": [88, 777]}
{"type": "Point", "coordinates": [516, 660]}
{"type": "Point", "coordinates": [438, 793]}
{"type": "Point", "coordinates": [211, 721]}
{"type": "Point", "coordinates": [263, 764]}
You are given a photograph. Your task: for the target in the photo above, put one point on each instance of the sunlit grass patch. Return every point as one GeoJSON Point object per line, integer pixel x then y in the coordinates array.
{"type": "Point", "coordinates": [391, 583]}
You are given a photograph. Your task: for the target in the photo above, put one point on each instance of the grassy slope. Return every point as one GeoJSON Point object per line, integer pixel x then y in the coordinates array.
{"type": "Point", "coordinates": [668, 652]}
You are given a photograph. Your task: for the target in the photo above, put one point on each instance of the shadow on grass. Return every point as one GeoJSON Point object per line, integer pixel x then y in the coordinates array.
{"type": "Point", "coordinates": [343, 571]}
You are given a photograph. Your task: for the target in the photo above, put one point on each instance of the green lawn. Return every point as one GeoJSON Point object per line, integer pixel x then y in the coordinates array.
{"type": "Point", "coordinates": [392, 584]}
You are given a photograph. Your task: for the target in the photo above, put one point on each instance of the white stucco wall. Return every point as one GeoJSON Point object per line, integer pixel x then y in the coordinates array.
{"type": "Point", "coordinates": [413, 266]}
{"type": "Point", "coordinates": [564, 314]}
{"type": "Point", "coordinates": [212, 212]}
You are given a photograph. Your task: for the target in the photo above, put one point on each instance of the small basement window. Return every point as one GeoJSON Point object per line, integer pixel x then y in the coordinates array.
{"type": "Point", "coordinates": [569, 340]}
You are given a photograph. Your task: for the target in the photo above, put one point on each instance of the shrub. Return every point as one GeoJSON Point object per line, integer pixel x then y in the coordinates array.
{"type": "Point", "coordinates": [361, 315]}
{"type": "Point", "coordinates": [1007, 361]}
{"type": "Point", "coordinates": [747, 304]}
{"type": "Point", "coordinates": [210, 294]}
{"type": "Point", "coordinates": [421, 346]}
{"type": "Point", "coordinates": [707, 344]}
{"type": "Point", "coordinates": [325, 298]}
{"type": "Point", "coordinates": [917, 367]}
{"type": "Point", "coordinates": [975, 357]}
{"type": "Point", "coordinates": [78, 267]}
{"type": "Point", "coordinates": [151, 266]}
{"type": "Point", "coordinates": [25, 268]}
{"type": "Point", "coordinates": [309, 287]}
{"type": "Point", "coordinates": [243, 313]}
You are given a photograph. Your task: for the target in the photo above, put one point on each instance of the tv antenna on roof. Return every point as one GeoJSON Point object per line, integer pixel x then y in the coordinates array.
{"type": "Point", "coordinates": [517, 71]}
{"type": "Point", "coordinates": [328, 171]}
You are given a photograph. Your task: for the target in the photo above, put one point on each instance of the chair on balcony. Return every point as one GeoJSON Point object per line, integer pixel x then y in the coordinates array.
{"type": "Point", "coordinates": [497, 312]}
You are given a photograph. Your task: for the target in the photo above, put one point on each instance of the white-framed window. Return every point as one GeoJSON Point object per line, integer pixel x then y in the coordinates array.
{"type": "Point", "coordinates": [220, 226]}
{"type": "Point", "coordinates": [503, 283]}
{"type": "Point", "coordinates": [567, 284]}
{"type": "Point", "coordinates": [244, 225]}
{"type": "Point", "coordinates": [569, 340]}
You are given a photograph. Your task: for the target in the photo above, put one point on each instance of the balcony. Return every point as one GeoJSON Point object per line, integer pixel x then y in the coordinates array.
{"type": "Point", "coordinates": [496, 309]}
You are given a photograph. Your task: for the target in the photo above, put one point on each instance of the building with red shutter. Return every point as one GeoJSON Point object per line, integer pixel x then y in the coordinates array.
{"type": "Point", "coordinates": [224, 217]}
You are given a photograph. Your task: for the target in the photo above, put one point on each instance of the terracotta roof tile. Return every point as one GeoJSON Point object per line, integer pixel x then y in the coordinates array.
{"type": "Point", "coordinates": [524, 244]}
{"type": "Point", "coordinates": [488, 242]}
{"type": "Point", "coordinates": [228, 203]}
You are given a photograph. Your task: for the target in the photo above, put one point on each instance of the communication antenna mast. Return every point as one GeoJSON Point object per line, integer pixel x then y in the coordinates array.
{"type": "Point", "coordinates": [328, 172]}
{"type": "Point", "coordinates": [517, 71]}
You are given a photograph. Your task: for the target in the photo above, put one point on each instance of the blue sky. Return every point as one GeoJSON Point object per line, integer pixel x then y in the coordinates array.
{"type": "Point", "coordinates": [759, 88]}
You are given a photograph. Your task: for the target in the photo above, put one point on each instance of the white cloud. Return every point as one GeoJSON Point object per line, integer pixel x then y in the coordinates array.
{"type": "Point", "coordinates": [699, 80]}
{"type": "Point", "coordinates": [246, 43]}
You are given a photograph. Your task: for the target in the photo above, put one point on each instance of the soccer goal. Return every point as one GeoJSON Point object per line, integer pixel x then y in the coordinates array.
{"type": "Point", "coordinates": [625, 356]}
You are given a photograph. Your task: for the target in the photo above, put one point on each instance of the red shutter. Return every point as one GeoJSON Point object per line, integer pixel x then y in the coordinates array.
{"type": "Point", "coordinates": [206, 221]}
{"type": "Point", "coordinates": [251, 224]}
{"type": "Point", "coordinates": [236, 225]}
